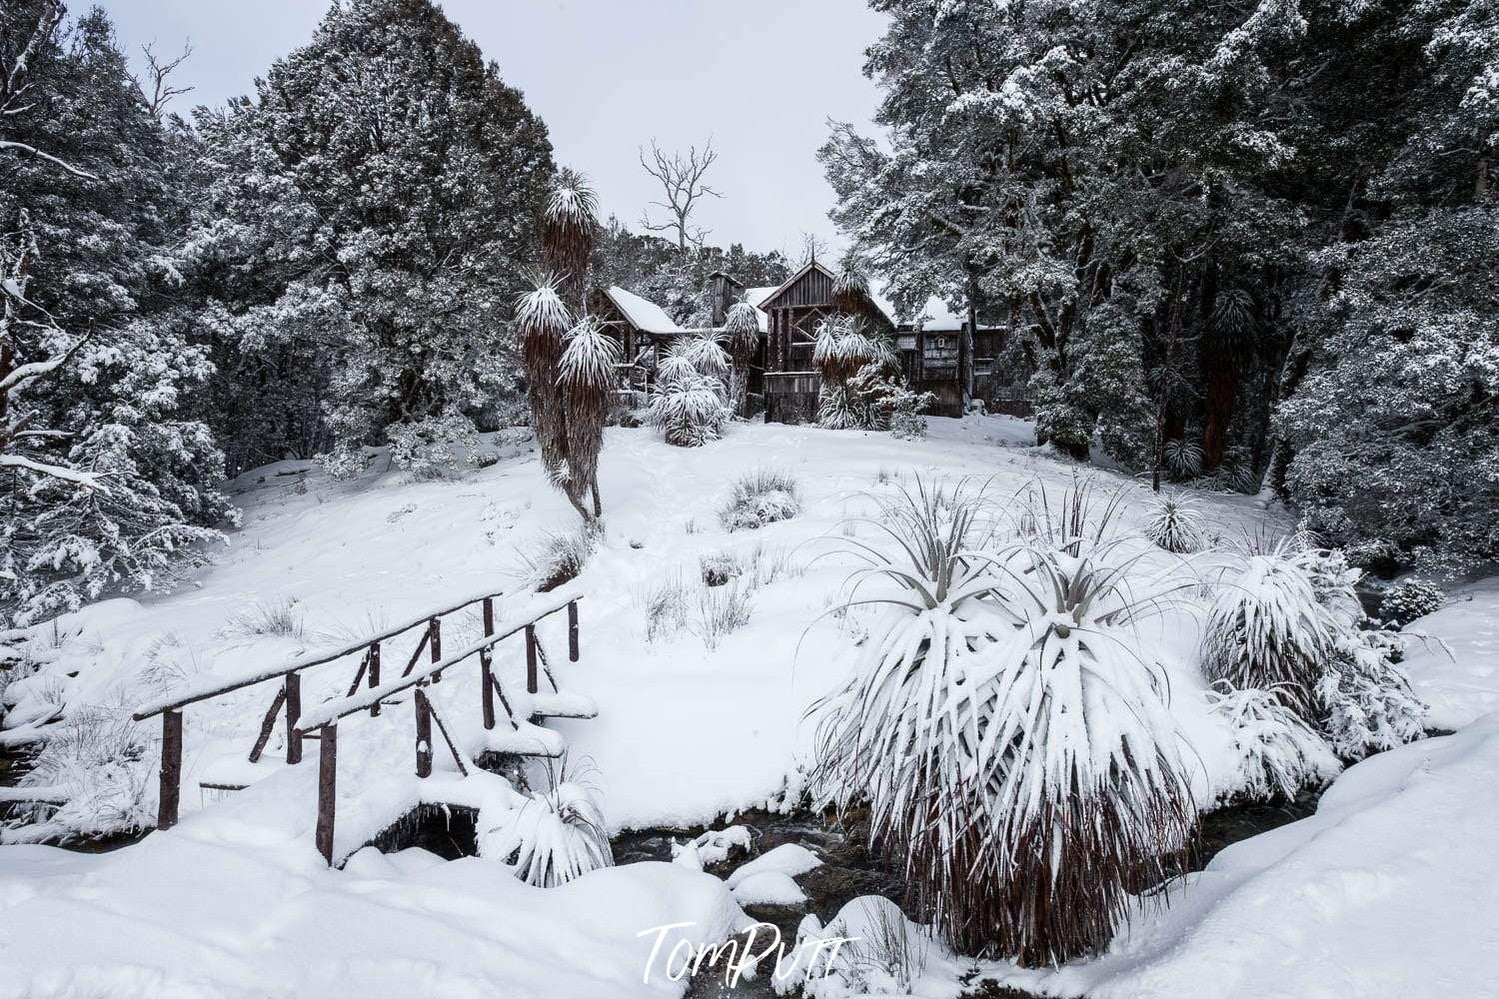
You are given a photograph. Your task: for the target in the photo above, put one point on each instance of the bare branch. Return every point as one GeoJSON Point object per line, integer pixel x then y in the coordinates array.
{"type": "Point", "coordinates": [161, 91]}
{"type": "Point", "coordinates": [681, 178]}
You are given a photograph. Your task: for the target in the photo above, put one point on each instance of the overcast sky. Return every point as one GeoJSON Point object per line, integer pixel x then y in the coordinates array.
{"type": "Point", "coordinates": [761, 76]}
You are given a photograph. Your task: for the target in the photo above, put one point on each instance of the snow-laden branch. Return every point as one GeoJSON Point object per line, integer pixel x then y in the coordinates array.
{"type": "Point", "coordinates": [88, 480]}
{"type": "Point", "coordinates": [32, 150]}
{"type": "Point", "coordinates": [13, 381]}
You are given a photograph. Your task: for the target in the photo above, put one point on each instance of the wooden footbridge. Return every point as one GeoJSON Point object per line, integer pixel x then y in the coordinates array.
{"type": "Point", "coordinates": [510, 734]}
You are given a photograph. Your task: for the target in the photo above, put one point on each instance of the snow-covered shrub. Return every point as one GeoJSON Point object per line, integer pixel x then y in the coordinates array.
{"type": "Point", "coordinates": [95, 758]}
{"type": "Point", "coordinates": [875, 398]}
{"type": "Point", "coordinates": [721, 611]}
{"type": "Point", "coordinates": [556, 836]}
{"type": "Point", "coordinates": [1404, 602]}
{"type": "Point", "coordinates": [1278, 752]}
{"type": "Point", "coordinates": [1182, 458]}
{"type": "Point", "coordinates": [435, 447]}
{"type": "Point", "coordinates": [1366, 697]}
{"type": "Point", "coordinates": [555, 559]}
{"type": "Point", "coordinates": [1175, 526]}
{"type": "Point", "coordinates": [717, 568]}
{"type": "Point", "coordinates": [1006, 691]}
{"type": "Point", "coordinates": [761, 497]}
{"type": "Point", "coordinates": [1268, 630]}
{"type": "Point", "coordinates": [886, 954]}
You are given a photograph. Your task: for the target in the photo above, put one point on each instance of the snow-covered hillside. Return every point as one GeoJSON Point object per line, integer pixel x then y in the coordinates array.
{"type": "Point", "coordinates": [694, 721]}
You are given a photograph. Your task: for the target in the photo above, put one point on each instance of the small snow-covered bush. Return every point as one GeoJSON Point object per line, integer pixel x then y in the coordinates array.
{"type": "Point", "coordinates": [717, 568]}
{"type": "Point", "coordinates": [761, 497]}
{"type": "Point", "coordinates": [1278, 752]}
{"type": "Point", "coordinates": [1175, 526]}
{"type": "Point", "coordinates": [1366, 697]}
{"type": "Point", "coordinates": [96, 759]}
{"type": "Point", "coordinates": [1404, 602]}
{"type": "Point", "coordinates": [435, 447]}
{"type": "Point", "coordinates": [555, 559]}
{"type": "Point", "coordinates": [556, 836]}
{"type": "Point", "coordinates": [1293, 621]}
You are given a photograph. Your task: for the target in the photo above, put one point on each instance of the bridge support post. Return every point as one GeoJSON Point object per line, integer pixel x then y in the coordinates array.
{"type": "Point", "coordinates": [486, 668]}
{"type": "Point", "coordinates": [531, 659]}
{"type": "Point", "coordinates": [572, 631]}
{"type": "Point", "coordinates": [423, 734]}
{"type": "Point", "coordinates": [374, 676]}
{"type": "Point", "coordinates": [171, 769]}
{"type": "Point", "coordinates": [327, 777]}
{"type": "Point", "coordinates": [293, 712]}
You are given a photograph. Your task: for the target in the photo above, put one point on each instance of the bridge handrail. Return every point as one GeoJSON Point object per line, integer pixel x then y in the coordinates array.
{"type": "Point", "coordinates": [181, 699]}
{"type": "Point", "coordinates": [331, 711]}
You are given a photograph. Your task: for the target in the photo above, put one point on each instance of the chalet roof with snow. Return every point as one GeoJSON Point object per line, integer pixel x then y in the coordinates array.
{"type": "Point", "coordinates": [646, 316]}
{"type": "Point", "coordinates": [812, 282]}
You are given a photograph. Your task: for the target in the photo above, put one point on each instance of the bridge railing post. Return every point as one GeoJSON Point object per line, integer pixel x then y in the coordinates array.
{"type": "Point", "coordinates": [531, 685]}
{"type": "Point", "coordinates": [423, 734]}
{"type": "Point", "coordinates": [293, 713]}
{"type": "Point", "coordinates": [171, 769]}
{"type": "Point", "coordinates": [486, 667]}
{"type": "Point", "coordinates": [434, 644]}
{"type": "Point", "coordinates": [327, 780]}
{"type": "Point", "coordinates": [572, 631]}
{"type": "Point", "coordinates": [374, 676]}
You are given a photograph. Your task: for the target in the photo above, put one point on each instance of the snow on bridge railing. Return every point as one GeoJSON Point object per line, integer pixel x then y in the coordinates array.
{"type": "Point", "coordinates": [317, 657]}
{"type": "Point", "coordinates": [331, 711]}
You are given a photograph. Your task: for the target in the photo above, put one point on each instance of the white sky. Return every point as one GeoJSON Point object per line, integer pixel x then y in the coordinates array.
{"type": "Point", "coordinates": [761, 77]}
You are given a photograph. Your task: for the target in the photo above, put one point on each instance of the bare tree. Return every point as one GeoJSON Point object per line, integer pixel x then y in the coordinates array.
{"type": "Point", "coordinates": [812, 245]}
{"type": "Point", "coordinates": [681, 177]}
{"type": "Point", "coordinates": [157, 88]}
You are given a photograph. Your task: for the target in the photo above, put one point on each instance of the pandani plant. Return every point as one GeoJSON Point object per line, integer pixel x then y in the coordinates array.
{"type": "Point", "coordinates": [569, 400]}
{"type": "Point", "coordinates": [688, 404]}
{"type": "Point", "coordinates": [1175, 526]}
{"type": "Point", "coordinates": [842, 348]}
{"type": "Point", "coordinates": [586, 379]}
{"type": "Point", "coordinates": [554, 835]}
{"type": "Point", "coordinates": [742, 330]}
{"type": "Point", "coordinates": [1006, 725]}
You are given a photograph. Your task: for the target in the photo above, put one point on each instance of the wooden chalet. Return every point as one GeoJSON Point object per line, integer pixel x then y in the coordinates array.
{"type": "Point", "coordinates": [782, 379]}
{"type": "Point", "coordinates": [793, 312]}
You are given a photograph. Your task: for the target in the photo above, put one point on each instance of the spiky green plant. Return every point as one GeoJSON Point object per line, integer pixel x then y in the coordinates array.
{"type": "Point", "coordinates": [586, 377]}
{"type": "Point", "coordinates": [742, 328]}
{"type": "Point", "coordinates": [555, 835]}
{"type": "Point", "coordinates": [569, 225]}
{"type": "Point", "coordinates": [1267, 629]}
{"type": "Point", "coordinates": [1175, 526]}
{"type": "Point", "coordinates": [541, 320]}
{"type": "Point", "coordinates": [1008, 727]}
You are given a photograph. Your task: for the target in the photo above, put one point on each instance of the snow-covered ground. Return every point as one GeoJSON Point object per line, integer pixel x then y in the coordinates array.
{"type": "Point", "coordinates": [235, 901]}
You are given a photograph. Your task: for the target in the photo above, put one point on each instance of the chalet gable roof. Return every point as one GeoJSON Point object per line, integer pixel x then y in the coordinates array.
{"type": "Point", "coordinates": [646, 316]}
{"type": "Point", "coordinates": [770, 300]}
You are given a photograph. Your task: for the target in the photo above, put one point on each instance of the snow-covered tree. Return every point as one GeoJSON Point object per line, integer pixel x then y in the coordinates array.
{"type": "Point", "coordinates": [109, 481]}
{"type": "Point", "coordinates": [690, 400]}
{"type": "Point", "coordinates": [372, 208]}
